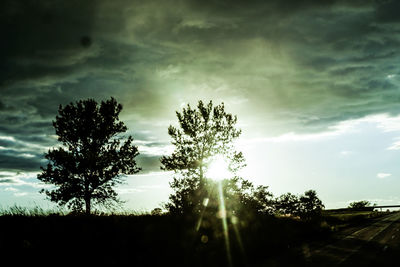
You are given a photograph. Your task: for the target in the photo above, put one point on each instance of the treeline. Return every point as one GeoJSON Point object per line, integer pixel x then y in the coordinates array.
{"type": "Point", "coordinates": [214, 217]}
{"type": "Point", "coordinates": [94, 158]}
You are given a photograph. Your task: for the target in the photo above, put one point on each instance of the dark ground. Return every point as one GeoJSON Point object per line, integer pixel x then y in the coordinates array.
{"type": "Point", "coordinates": [166, 240]}
{"type": "Point", "coordinates": [375, 242]}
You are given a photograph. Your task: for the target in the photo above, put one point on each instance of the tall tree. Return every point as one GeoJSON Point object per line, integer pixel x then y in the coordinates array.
{"type": "Point", "coordinates": [92, 158]}
{"type": "Point", "coordinates": [359, 205]}
{"type": "Point", "coordinates": [204, 133]}
{"type": "Point", "coordinates": [307, 206]}
{"type": "Point", "coordinates": [288, 204]}
{"type": "Point", "coordinates": [310, 205]}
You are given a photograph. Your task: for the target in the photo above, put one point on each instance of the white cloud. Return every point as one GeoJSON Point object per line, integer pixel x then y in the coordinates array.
{"type": "Point", "coordinates": [11, 179]}
{"type": "Point", "coordinates": [169, 71]}
{"type": "Point", "coordinates": [27, 155]}
{"type": "Point", "coordinates": [333, 131]}
{"type": "Point", "coordinates": [156, 186]}
{"type": "Point", "coordinates": [123, 191]}
{"type": "Point", "coordinates": [384, 122]}
{"type": "Point", "coordinates": [148, 148]}
{"type": "Point", "coordinates": [382, 175]}
{"type": "Point", "coordinates": [20, 194]}
{"type": "Point", "coordinates": [346, 152]}
{"type": "Point", "coordinates": [137, 189]}
{"type": "Point", "coordinates": [394, 146]}
{"type": "Point", "coordinates": [151, 174]}
{"type": "Point", "coordinates": [7, 138]}
{"type": "Point", "coordinates": [16, 192]}
{"type": "Point", "coordinates": [11, 189]}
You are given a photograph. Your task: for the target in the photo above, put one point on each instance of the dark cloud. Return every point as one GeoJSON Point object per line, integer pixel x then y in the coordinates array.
{"type": "Point", "coordinates": [6, 143]}
{"type": "Point", "coordinates": [2, 106]}
{"type": "Point", "coordinates": [149, 163]}
{"type": "Point", "coordinates": [43, 37]}
{"type": "Point", "coordinates": [11, 160]}
{"type": "Point", "coordinates": [6, 180]}
{"type": "Point", "coordinates": [304, 65]}
{"type": "Point", "coordinates": [386, 11]}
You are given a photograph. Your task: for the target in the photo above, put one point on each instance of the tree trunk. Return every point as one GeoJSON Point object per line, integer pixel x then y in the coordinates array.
{"type": "Point", "coordinates": [201, 173]}
{"type": "Point", "coordinates": [87, 196]}
{"type": "Point", "coordinates": [87, 205]}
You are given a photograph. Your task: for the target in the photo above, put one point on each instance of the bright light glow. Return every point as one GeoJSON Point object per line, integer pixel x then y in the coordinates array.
{"type": "Point", "coordinates": [205, 202]}
{"type": "Point", "coordinates": [218, 169]}
{"type": "Point", "coordinates": [223, 215]}
{"type": "Point", "coordinates": [382, 175]}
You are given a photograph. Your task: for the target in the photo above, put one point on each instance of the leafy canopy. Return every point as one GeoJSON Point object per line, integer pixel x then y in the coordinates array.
{"type": "Point", "coordinates": [359, 204]}
{"type": "Point", "coordinates": [92, 158]}
{"type": "Point", "coordinates": [204, 133]}
{"type": "Point", "coordinates": [307, 206]}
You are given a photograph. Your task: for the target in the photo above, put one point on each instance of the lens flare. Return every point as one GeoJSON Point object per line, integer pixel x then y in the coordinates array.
{"type": "Point", "coordinates": [218, 169]}
{"type": "Point", "coordinates": [222, 212]}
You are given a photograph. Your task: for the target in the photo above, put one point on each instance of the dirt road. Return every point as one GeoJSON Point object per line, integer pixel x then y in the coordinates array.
{"type": "Point", "coordinates": [376, 244]}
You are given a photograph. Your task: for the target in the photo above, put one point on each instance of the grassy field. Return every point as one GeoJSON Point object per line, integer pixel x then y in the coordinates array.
{"type": "Point", "coordinates": [38, 236]}
{"type": "Point", "coordinates": [339, 220]}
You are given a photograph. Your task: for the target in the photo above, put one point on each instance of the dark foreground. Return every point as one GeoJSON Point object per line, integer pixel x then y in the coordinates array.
{"type": "Point", "coordinates": [166, 240]}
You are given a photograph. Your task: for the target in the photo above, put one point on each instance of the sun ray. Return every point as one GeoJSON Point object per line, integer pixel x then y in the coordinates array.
{"type": "Point", "coordinates": [234, 221]}
{"type": "Point", "coordinates": [218, 169]}
{"type": "Point", "coordinates": [223, 215]}
{"type": "Point", "coordinates": [205, 204]}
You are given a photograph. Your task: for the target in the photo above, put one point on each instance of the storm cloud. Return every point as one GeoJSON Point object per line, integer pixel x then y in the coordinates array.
{"type": "Point", "coordinates": [280, 66]}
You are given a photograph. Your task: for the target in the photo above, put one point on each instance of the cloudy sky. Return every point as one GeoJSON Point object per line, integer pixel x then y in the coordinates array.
{"type": "Point", "coordinates": [315, 86]}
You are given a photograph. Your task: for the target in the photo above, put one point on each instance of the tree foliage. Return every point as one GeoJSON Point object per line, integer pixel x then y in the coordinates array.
{"type": "Point", "coordinates": [288, 204]}
{"type": "Point", "coordinates": [241, 199]}
{"type": "Point", "coordinates": [203, 133]}
{"type": "Point", "coordinates": [248, 199]}
{"type": "Point", "coordinates": [307, 206]}
{"type": "Point", "coordinates": [359, 204]}
{"type": "Point", "coordinates": [92, 158]}
{"type": "Point", "coordinates": [310, 205]}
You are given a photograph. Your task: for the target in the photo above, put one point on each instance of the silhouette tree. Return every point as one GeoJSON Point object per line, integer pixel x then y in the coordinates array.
{"type": "Point", "coordinates": [307, 206]}
{"type": "Point", "coordinates": [288, 204]}
{"type": "Point", "coordinates": [241, 200]}
{"type": "Point", "coordinates": [310, 205]}
{"type": "Point", "coordinates": [359, 205]}
{"type": "Point", "coordinates": [204, 133]}
{"type": "Point", "coordinates": [92, 158]}
{"type": "Point", "coordinates": [263, 199]}
{"type": "Point", "coordinates": [244, 197]}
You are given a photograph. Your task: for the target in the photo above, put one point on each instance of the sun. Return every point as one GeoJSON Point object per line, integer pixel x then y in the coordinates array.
{"type": "Point", "coordinates": [218, 169]}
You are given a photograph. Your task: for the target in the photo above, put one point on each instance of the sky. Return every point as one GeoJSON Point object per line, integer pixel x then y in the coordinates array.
{"type": "Point", "coordinates": [314, 84]}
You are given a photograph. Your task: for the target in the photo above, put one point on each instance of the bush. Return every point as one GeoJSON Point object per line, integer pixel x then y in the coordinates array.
{"type": "Point", "coordinates": [359, 205]}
